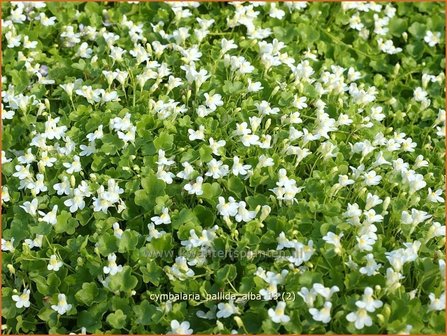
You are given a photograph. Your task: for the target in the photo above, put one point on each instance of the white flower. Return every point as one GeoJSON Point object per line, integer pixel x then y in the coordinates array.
{"type": "Point", "coordinates": [371, 266]}
{"type": "Point", "coordinates": [253, 86]}
{"type": "Point", "coordinates": [333, 239]}
{"type": "Point", "coordinates": [415, 181]}
{"type": "Point", "coordinates": [62, 306]}
{"type": "Point", "coordinates": [270, 292]}
{"type": "Point", "coordinates": [243, 214]}
{"type": "Point", "coordinates": [420, 162]}
{"type": "Point", "coordinates": [178, 328]}
{"type": "Point", "coordinates": [365, 243]}
{"type": "Point", "coordinates": [286, 188]}
{"type": "Point", "coordinates": [112, 268]}
{"type": "Point", "coordinates": [36, 242]}
{"type": "Point", "coordinates": [277, 315]}
{"type": "Point", "coordinates": [265, 161]}
{"type": "Point", "coordinates": [75, 166]}
{"type": "Point", "coordinates": [371, 178]}
{"type": "Point", "coordinates": [6, 160]}
{"type": "Point", "coordinates": [216, 169]}
{"type": "Point", "coordinates": [30, 207]}
{"type": "Point", "coordinates": [388, 47]}
{"type": "Point", "coordinates": [5, 195]}
{"type": "Point", "coordinates": [308, 296]}
{"type": "Point", "coordinates": [197, 135]}
{"type": "Point", "coordinates": [163, 160]}
{"type": "Point", "coordinates": [153, 232]}
{"type": "Point", "coordinates": [204, 240]}
{"type": "Point", "coordinates": [54, 264]}
{"type": "Point", "coordinates": [63, 187]}
{"type": "Point", "coordinates": [186, 172]}
{"type": "Point", "coordinates": [239, 168]}
{"type": "Point", "coordinates": [50, 217]}
{"type": "Point", "coordinates": [76, 202]}
{"type": "Point", "coordinates": [344, 180]}
{"type": "Point", "coordinates": [432, 38]}
{"type": "Point", "coordinates": [436, 230]}
{"type": "Point", "coordinates": [264, 108]}
{"type": "Point", "coordinates": [372, 201]}
{"type": "Point", "coordinates": [227, 45]}
{"type": "Point", "coordinates": [165, 176]}
{"type": "Point", "coordinates": [435, 196]}
{"type": "Point", "coordinates": [164, 218]}
{"type": "Point", "coordinates": [180, 270]}
{"type": "Point", "coordinates": [420, 94]}
{"type": "Point", "coordinates": [283, 242]}
{"type": "Point", "coordinates": [216, 145]}
{"type": "Point", "coordinates": [360, 318]}
{"type": "Point", "coordinates": [393, 279]}
{"type": "Point", "coordinates": [22, 172]}
{"type": "Point", "coordinates": [322, 315]}
{"type": "Point", "coordinates": [227, 209]}
{"type": "Point", "coordinates": [368, 301]}
{"type": "Point", "coordinates": [22, 300]}
{"type": "Point", "coordinates": [117, 230]}
{"type": "Point", "coordinates": [276, 12]}
{"type": "Point", "coordinates": [435, 303]}
{"type": "Point", "coordinates": [8, 245]}
{"type": "Point", "coordinates": [84, 51]}
{"type": "Point", "coordinates": [226, 309]}
{"type": "Point", "coordinates": [213, 101]}
{"type": "Point", "coordinates": [195, 188]}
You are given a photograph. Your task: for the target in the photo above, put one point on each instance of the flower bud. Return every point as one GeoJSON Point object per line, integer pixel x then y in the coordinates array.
{"type": "Point", "coordinates": [238, 321]}
{"type": "Point", "coordinates": [396, 69]}
{"type": "Point", "coordinates": [405, 36]}
{"type": "Point", "coordinates": [220, 326]}
{"type": "Point", "coordinates": [41, 166]}
{"type": "Point", "coordinates": [72, 181]}
{"type": "Point", "coordinates": [386, 203]}
{"type": "Point", "coordinates": [265, 212]}
{"type": "Point", "coordinates": [11, 269]}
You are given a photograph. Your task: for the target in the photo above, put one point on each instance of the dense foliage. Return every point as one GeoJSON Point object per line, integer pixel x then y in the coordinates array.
{"type": "Point", "coordinates": [290, 151]}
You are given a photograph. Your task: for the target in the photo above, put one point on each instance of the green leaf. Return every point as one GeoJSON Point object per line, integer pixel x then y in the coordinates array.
{"type": "Point", "coordinates": [184, 216]}
{"type": "Point", "coordinates": [117, 319]}
{"type": "Point", "coordinates": [231, 87]}
{"type": "Point", "coordinates": [107, 244]}
{"type": "Point", "coordinates": [87, 294]}
{"type": "Point", "coordinates": [205, 153]}
{"type": "Point", "coordinates": [397, 26]}
{"type": "Point", "coordinates": [205, 215]}
{"type": "Point", "coordinates": [66, 223]}
{"type": "Point", "coordinates": [152, 273]}
{"type": "Point", "coordinates": [123, 281]}
{"type": "Point", "coordinates": [146, 313]}
{"type": "Point", "coordinates": [235, 185]}
{"type": "Point", "coordinates": [20, 79]}
{"type": "Point", "coordinates": [111, 144]}
{"type": "Point", "coordinates": [152, 188]}
{"type": "Point", "coordinates": [164, 243]}
{"type": "Point", "coordinates": [226, 274]}
{"type": "Point", "coordinates": [211, 193]}
{"type": "Point", "coordinates": [164, 141]}
{"type": "Point", "coordinates": [128, 241]}
{"type": "Point", "coordinates": [417, 30]}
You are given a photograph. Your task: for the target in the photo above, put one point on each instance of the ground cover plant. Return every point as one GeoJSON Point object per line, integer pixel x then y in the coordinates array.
{"type": "Point", "coordinates": [267, 167]}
